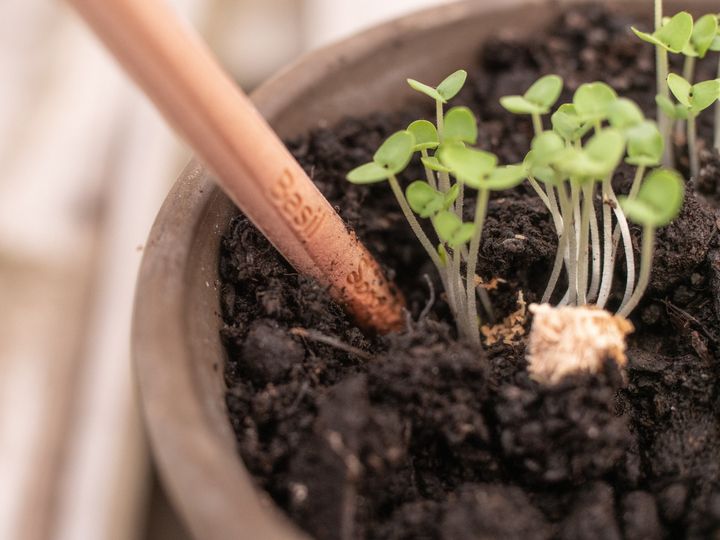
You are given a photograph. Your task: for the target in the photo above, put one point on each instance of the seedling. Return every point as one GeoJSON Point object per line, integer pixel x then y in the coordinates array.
{"type": "Point", "coordinates": [565, 165]}
{"type": "Point", "coordinates": [658, 202]}
{"type": "Point", "coordinates": [672, 36]}
{"type": "Point", "coordinates": [537, 101]}
{"type": "Point", "coordinates": [693, 99]}
{"type": "Point", "coordinates": [570, 168]}
{"type": "Point", "coordinates": [449, 167]}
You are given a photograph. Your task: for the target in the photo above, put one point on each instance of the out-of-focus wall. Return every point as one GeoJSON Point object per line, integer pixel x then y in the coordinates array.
{"type": "Point", "coordinates": [85, 162]}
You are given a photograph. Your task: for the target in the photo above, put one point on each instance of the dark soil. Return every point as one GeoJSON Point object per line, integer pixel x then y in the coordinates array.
{"type": "Point", "coordinates": [431, 438]}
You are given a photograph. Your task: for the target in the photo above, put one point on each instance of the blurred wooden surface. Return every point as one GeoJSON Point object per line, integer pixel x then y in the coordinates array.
{"type": "Point", "coordinates": [85, 164]}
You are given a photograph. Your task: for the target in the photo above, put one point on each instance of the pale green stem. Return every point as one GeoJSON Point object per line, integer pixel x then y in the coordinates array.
{"type": "Point", "coordinates": [583, 247]}
{"type": "Point", "coordinates": [648, 245]}
{"type": "Point", "coordinates": [595, 242]}
{"type": "Point", "coordinates": [688, 75]}
{"type": "Point", "coordinates": [464, 322]}
{"type": "Point", "coordinates": [557, 268]}
{"type": "Point", "coordinates": [608, 256]}
{"type": "Point", "coordinates": [480, 212]}
{"type": "Point", "coordinates": [429, 174]}
{"type": "Point", "coordinates": [692, 145]}
{"type": "Point", "coordinates": [537, 123]}
{"type": "Point", "coordinates": [414, 224]}
{"type": "Point", "coordinates": [627, 246]}
{"type": "Point", "coordinates": [664, 123]}
{"type": "Point", "coordinates": [567, 212]}
{"type": "Point", "coordinates": [540, 192]}
{"type": "Point", "coordinates": [575, 197]}
{"type": "Point", "coordinates": [717, 117]}
{"type": "Point", "coordinates": [440, 120]}
{"type": "Point", "coordinates": [460, 202]}
{"type": "Point", "coordinates": [637, 182]}
{"type": "Point", "coordinates": [482, 292]}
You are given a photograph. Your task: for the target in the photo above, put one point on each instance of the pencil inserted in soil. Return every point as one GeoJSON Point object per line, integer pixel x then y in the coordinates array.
{"type": "Point", "coordinates": [251, 164]}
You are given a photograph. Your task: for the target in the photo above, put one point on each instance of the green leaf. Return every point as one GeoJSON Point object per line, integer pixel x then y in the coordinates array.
{"type": "Point", "coordinates": [545, 91]}
{"type": "Point", "coordinates": [460, 125]}
{"type": "Point", "coordinates": [667, 107]}
{"type": "Point", "coordinates": [673, 35]}
{"type": "Point", "coordinates": [395, 153]}
{"type": "Point", "coordinates": [433, 163]}
{"type": "Point", "coordinates": [451, 230]}
{"type": "Point", "coordinates": [423, 199]}
{"type": "Point", "coordinates": [624, 114]}
{"type": "Point", "coordinates": [598, 159]}
{"type": "Point", "coordinates": [593, 100]}
{"type": "Point", "coordinates": [658, 201]}
{"type": "Point", "coordinates": [425, 89]}
{"type": "Point", "coordinates": [451, 196]}
{"type": "Point", "coordinates": [538, 99]}
{"type": "Point", "coordinates": [645, 145]}
{"type": "Point", "coordinates": [369, 173]}
{"type": "Point", "coordinates": [425, 133]}
{"type": "Point", "coordinates": [450, 87]}
{"type": "Point", "coordinates": [703, 35]}
{"type": "Point", "coordinates": [681, 89]}
{"type": "Point", "coordinates": [520, 105]}
{"type": "Point", "coordinates": [506, 177]}
{"type": "Point", "coordinates": [567, 123]}
{"type": "Point", "coordinates": [470, 166]}
{"type": "Point", "coordinates": [715, 46]}
{"type": "Point", "coordinates": [546, 147]}
{"type": "Point", "coordinates": [606, 149]}
{"type": "Point", "coordinates": [704, 94]}
{"type": "Point", "coordinates": [546, 175]}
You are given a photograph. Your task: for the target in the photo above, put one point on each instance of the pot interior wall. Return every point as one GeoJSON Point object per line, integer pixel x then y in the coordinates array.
{"type": "Point", "coordinates": [355, 78]}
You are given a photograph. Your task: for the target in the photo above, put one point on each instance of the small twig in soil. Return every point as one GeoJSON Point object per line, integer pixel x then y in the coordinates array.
{"type": "Point", "coordinates": [670, 306]}
{"type": "Point", "coordinates": [334, 342]}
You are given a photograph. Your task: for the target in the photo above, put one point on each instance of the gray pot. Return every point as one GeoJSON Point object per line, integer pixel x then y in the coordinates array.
{"type": "Point", "coordinates": [176, 344]}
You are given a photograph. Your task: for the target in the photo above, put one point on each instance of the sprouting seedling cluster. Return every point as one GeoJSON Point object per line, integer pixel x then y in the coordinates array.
{"type": "Point", "coordinates": [450, 166]}
{"type": "Point", "coordinates": [680, 34]}
{"type": "Point", "coordinates": [566, 167]}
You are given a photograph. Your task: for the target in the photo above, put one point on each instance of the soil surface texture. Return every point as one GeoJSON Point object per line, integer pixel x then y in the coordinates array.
{"type": "Point", "coordinates": [419, 435]}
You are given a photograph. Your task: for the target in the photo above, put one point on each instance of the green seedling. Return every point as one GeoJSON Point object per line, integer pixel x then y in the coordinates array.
{"type": "Point", "coordinates": [449, 167]}
{"type": "Point", "coordinates": [673, 36]}
{"type": "Point", "coordinates": [564, 166]}
{"type": "Point", "coordinates": [657, 203]}
{"type": "Point", "coordinates": [537, 101]}
{"type": "Point", "coordinates": [693, 99]}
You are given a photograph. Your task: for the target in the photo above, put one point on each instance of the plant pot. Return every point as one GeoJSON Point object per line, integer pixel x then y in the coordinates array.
{"type": "Point", "coordinates": [176, 340]}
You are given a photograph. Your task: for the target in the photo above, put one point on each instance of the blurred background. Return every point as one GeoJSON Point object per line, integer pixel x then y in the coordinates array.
{"type": "Point", "coordinates": [85, 163]}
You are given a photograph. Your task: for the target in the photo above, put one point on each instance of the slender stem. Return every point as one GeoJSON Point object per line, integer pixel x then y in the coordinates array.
{"type": "Point", "coordinates": [595, 242]}
{"type": "Point", "coordinates": [692, 145]}
{"type": "Point", "coordinates": [637, 181]}
{"type": "Point", "coordinates": [465, 323]}
{"type": "Point", "coordinates": [567, 212]}
{"type": "Point", "coordinates": [608, 256]}
{"type": "Point", "coordinates": [557, 268]}
{"type": "Point", "coordinates": [627, 246]}
{"type": "Point", "coordinates": [717, 117]}
{"type": "Point", "coordinates": [688, 75]}
{"type": "Point", "coordinates": [414, 224]}
{"type": "Point", "coordinates": [486, 303]}
{"type": "Point", "coordinates": [575, 197]}
{"type": "Point", "coordinates": [661, 54]}
{"type": "Point", "coordinates": [540, 192]}
{"type": "Point", "coordinates": [429, 174]}
{"type": "Point", "coordinates": [460, 202]}
{"type": "Point", "coordinates": [444, 182]}
{"type": "Point", "coordinates": [537, 123]}
{"type": "Point", "coordinates": [480, 212]}
{"type": "Point", "coordinates": [440, 120]}
{"type": "Point", "coordinates": [583, 247]}
{"type": "Point", "coordinates": [554, 210]}
{"type": "Point", "coordinates": [648, 245]}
